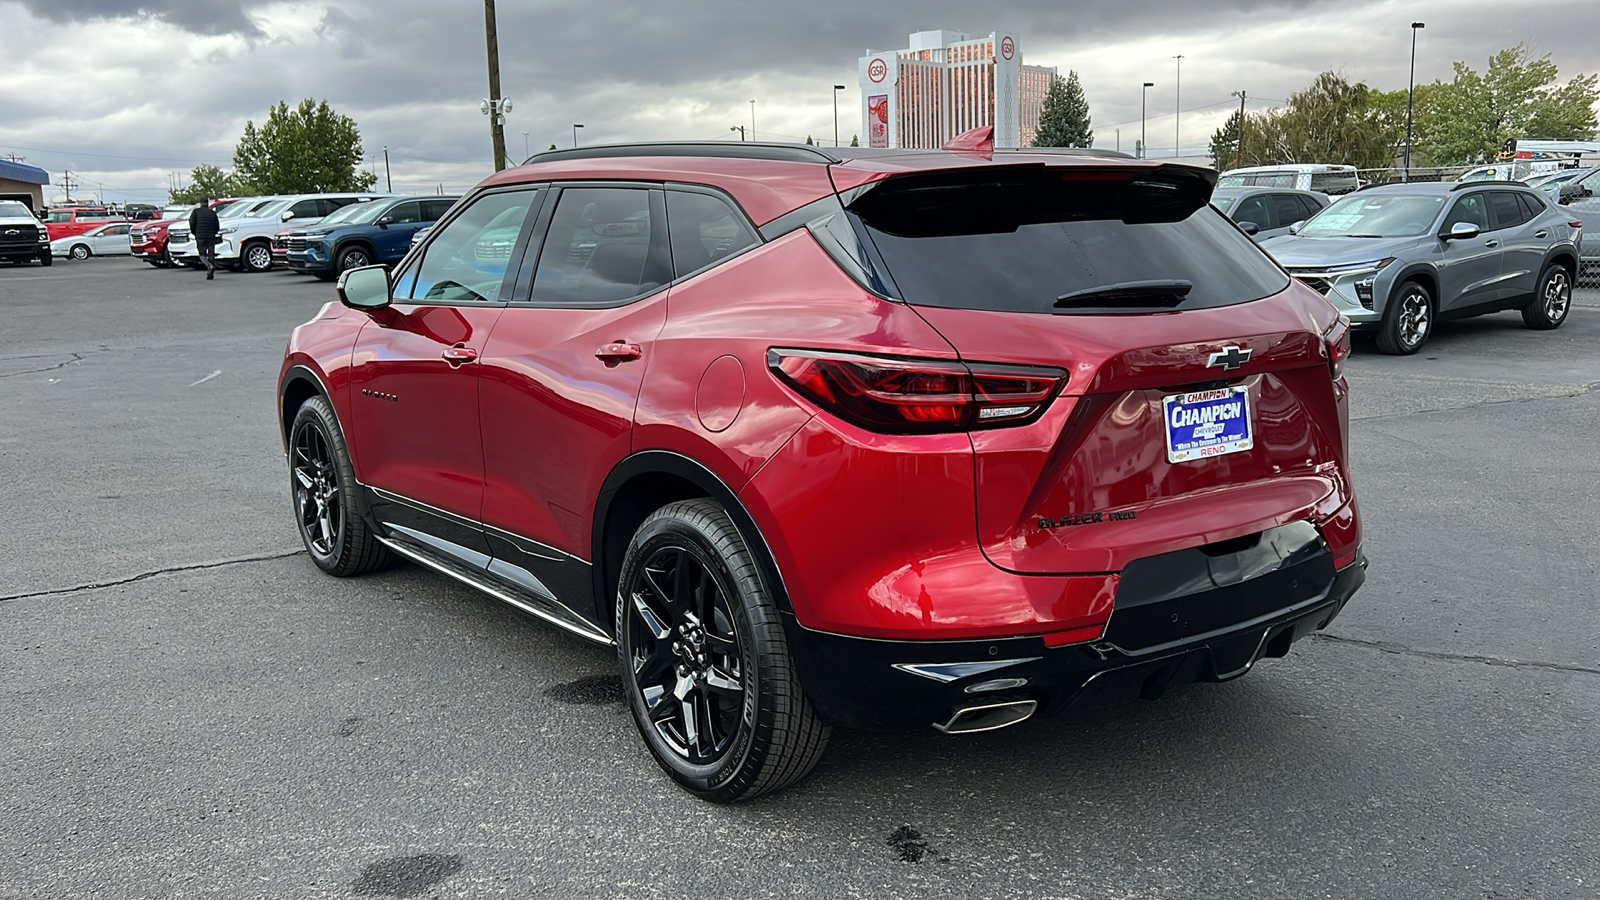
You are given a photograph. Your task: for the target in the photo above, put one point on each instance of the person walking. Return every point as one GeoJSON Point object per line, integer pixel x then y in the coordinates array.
{"type": "Point", "coordinates": [204, 226]}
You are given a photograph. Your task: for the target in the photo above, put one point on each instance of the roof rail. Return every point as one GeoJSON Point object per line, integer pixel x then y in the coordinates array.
{"type": "Point", "coordinates": [714, 149]}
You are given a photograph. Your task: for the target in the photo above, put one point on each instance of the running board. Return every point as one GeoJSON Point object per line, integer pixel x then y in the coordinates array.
{"type": "Point", "coordinates": [548, 610]}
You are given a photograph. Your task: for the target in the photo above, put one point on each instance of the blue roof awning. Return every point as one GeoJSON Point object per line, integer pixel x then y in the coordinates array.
{"type": "Point", "coordinates": [23, 172]}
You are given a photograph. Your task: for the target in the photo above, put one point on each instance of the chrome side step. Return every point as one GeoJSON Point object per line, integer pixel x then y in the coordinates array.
{"type": "Point", "coordinates": [988, 716]}
{"type": "Point", "coordinates": [550, 611]}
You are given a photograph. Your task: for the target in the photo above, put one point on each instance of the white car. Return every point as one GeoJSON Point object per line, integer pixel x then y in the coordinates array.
{"type": "Point", "coordinates": [110, 239]}
{"type": "Point", "coordinates": [246, 238]}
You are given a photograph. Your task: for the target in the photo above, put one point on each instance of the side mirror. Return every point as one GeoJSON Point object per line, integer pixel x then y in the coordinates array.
{"type": "Point", "coordinates": [1295, 228]}
{"type": "Point", "coordinates": [1461, 231]}
{"type": "Point", "coordinates": [1250, 228]}
{"type": "Point", "coordinates": [385, 220]}
{"type": "Point", "coordinates": [1571, 192]}
{"type": "Point", "coordinates": [365, 288]}
{"type": "Point", "coordinates": [286, 216]}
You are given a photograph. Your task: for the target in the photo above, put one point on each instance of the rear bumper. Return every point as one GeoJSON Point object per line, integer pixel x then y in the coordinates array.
{"type": "Point", "coordinates": [885, 684]}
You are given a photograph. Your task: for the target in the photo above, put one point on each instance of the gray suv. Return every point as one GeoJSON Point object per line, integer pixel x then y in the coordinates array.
{"type": "Point", "coordinates": [1397, 258]}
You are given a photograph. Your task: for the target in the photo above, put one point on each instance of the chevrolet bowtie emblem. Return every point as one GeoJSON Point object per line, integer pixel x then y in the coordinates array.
{"type": "Point", "coordinates": [1229, 358]}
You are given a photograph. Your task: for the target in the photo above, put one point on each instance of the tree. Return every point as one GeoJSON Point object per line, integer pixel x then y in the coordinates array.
{"type": "Point", "coordinates": [1468, 119]}
{"type": "Point", "coordinates": [855, 140]}
{"type": "Point", "coordinates": [308, 149]}
{"type": "Point", "coordinates": [205, 183]}
{"type": "Point", "coordinates": [1332, 121]}
{"type": "Point", "coordinates": [1225, 143]}
{"type": "Point", "coordinates": [809, 142]}
{"type": "Point", "coordinates": [1064, 120]}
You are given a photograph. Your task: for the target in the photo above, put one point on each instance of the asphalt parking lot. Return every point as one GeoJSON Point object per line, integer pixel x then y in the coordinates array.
{"type": "Point", "coordinates": [191, 709]}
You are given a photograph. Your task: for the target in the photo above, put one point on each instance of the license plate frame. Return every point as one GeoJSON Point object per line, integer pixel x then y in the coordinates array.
{"type": "Point", "coordinates": [1207, 424]}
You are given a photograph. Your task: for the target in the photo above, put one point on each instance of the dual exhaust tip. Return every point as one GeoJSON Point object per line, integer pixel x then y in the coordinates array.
{"type": "Point", "coordinates": [988, 716]}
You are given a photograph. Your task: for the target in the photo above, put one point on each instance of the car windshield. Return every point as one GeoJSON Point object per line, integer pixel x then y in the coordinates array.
{"type": "Point", "coordinates": [1376, 216]}
{"type": "Point", "coordinates": [347, 213]}
{"type": "Point", "coordinates": [267, 209]}
{"type": "Point", "coordinates": [364, 213]}
{"type": "Point", "coordinates": [13, 209]}
{"type": "Point", "coordinates": [1223, 203]}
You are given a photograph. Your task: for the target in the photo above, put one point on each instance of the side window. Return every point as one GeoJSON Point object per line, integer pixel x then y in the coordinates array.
{"type": "Point", "coordinates": [1532, 206]}
{"type": "Point", "coordinates": [326, 205]}
{"type": "Point", "coordinates": [1507, 211]}
{"type": "Point", "coordinates": [1469, 208]}
{"type": "Point", "coordinates": [603, 245]}
{"type": "Point", "coordinates": [1254, 209]}
{"type": "Point", "coordinates": [705, 229]}
{"type": "Point", "coordinates": [303, 208]}
{"type": "Point", "coordinates": [408, 213]}
{"type": "Point", "coordinates": [1308, 207]}
{"type": "Point", "coordinates": [116, 229]}
{"type": "Point", "coordinates": [1286, 209]}
{"type": "Point", "coordinates": [434, 210]}
{"type": "Point", "coordinates": [466, 260]}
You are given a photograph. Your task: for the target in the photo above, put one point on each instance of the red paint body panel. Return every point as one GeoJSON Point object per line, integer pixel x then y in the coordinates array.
{"type": "Point", "coordinates": [417, 432]}
{"type": "Point", "coordinates": [740, 310]}
{"type": "Point", "coordinates": [78, 224]}
{"type": "Point", "coordinates": [323, 346]}
{"type": "Point", "coordinates": [557, 419]}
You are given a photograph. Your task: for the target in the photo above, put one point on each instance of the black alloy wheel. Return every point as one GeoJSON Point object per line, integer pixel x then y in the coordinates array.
{"type": "Point", "coordinates": [705, 661]}
{"type": "Point", "coordinates": [353, 258]}
{"type": "Point", "coordinates": [1551, 301]}
{"type": "Point", "coordinates": [1408, 320]}
{"type": "Point", "coordinates": [322, 482]}
{"type": "Point", "coordinates": [79, 252]}
{"type": "Point", "coordinates": [257, 257]}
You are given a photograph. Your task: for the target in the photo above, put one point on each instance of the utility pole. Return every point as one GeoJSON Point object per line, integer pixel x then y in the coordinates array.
{"type": "Point", "coordinates": [1177, 111]}
{"type": "Point", "coordinates": [752, 120]}
{"type": "Point", "coordinates": [66, 184]}
{"type": "Point", "coordinates": [1238, 153]}
{"type": "Point", "coordinates": [388, 177]}
{"type": "Point", "coordinates": [1143, 145]}
{"type": "Point", "coordinates": [497, 130]}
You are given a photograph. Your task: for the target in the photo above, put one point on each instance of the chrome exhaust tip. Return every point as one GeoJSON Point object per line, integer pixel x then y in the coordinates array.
{"type": "Point", "coordinates": [988, 716]}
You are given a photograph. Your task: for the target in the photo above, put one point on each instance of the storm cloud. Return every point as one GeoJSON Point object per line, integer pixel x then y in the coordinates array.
{"type": "Point", "coordinates": [197, 16]}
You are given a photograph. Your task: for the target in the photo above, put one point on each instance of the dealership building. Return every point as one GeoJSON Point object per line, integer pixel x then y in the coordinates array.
{"type": "Point", "coordinates": [946, 83]}
{"type": "Point", "coordinates": [20, 181]}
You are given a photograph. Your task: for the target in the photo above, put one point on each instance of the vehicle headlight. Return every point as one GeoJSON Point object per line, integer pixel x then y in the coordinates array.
{"type": "Point", "coordinates": [228, 229]}
{"type": "Point", "coordinates": [44, 237]}
{"type": "Point", "coordinates": [1368, 277]}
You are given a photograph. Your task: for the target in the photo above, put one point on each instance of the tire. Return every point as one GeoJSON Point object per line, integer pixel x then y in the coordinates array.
{"type": "Point", "coordinates": [45, 259]}
{"type": "Point", "coordinates": [322, 486]}
{"type": "Point", "coordinates": [256, 257]}
{"type": "Point", "coordinates": [1552, 300]}
{"type": "Point", "coordinates": [79, 252]}
{"type": "Point", "coordinates": [723, 648]}
{"type": "Point", "coordinates": [166, 258]}
{"type": "Point", "coordinates": [1407, 321]}
{"type": "Point", "coordinates": [352, 258]}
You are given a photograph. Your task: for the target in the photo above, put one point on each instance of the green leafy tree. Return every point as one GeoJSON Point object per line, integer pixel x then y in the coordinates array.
{"type": "Point", "coordinates": [1331, 121]}
{"type": "Point", "coordinates": [307, 149]}
{"type": "Point", "coordinates": [855, 140]}
{"type": "Point", "coordinates": [809, 142]}
{"type": "Point", "coordinates": [1064, 118]}
{"type": "Point", "coordinates": [205, 183]}
{"type": "Point", "coordinates": [1469, 118]}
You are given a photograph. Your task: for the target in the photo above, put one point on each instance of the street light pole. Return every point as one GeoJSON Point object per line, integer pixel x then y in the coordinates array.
{"type": "Point", "coordinates": [1177, 110]}
{"type": "Point", "coordinates": [752, 120]}
{"type": "Point", "coordinates": [1144, 144]}
{"type": "Point", "coordinates": [738, 128]}
{"type": "Point", "coordinates": [1411, 89]}
{"type": "Point", "coordinates": [1238, 153]}
{"type": "Point", "coordinates": [388, 177]}
{"type": "Point", "coordinates": [575, 135]}
{"type": "Point", "coordinates": [836, 89]}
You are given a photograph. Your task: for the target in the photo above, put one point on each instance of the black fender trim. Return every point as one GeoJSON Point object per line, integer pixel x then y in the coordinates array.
{"type": "Point", "coordinates": [666, 462]}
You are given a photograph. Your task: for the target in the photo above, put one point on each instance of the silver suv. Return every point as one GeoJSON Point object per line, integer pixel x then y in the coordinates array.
{"type": "Point", "coordinates": [1396, 259]}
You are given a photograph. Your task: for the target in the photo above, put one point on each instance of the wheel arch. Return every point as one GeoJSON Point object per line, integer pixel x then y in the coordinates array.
{"type": "Point", "coordinates": [298, 385]}
{"type": "Point", "coordinates": [345, 244]}
{"type": "Point", "coordinates": [642, 484]}
{"type": "Point", "coordinates": [1566, 256]}
{"type": "Point", "coordinates": [1419, 272]}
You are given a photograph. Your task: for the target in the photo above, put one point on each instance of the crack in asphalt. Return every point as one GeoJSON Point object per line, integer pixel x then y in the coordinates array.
{"type": "Point", "coordinates": [1584, 391]}
{"type": "Point", "coordinates": [1402, 650]}
{"type": "Point", "coordinates": [76, 357]}
{"type": "Point", "coordinates": [142, 576]}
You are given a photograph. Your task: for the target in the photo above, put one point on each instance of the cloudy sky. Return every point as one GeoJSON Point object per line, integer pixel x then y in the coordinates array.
{"type": "Point", "coordinates": [124, 93]}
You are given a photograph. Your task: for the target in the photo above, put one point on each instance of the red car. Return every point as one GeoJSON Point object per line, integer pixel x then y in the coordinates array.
{"type": "Point", "coordinates": [874, 439]}
{"type": "Point", "coordinates": [67, 221]}
{"type": "Point", "coordinates": [149, 239]}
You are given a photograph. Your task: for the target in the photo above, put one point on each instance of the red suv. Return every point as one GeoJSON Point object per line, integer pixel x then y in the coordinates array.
{"type": "Point", "coordinates": [875, 439]}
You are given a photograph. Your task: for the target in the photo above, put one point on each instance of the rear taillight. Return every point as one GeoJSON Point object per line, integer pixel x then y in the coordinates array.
{"type": "Point", "coordinates": [917, 396]}
{"type": "Point", "coordinates": [1337, 340]}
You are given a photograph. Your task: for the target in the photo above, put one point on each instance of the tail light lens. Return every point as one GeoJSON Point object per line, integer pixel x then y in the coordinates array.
{"type": "Point", "coordinates": [917, 396]}
{"type": "Point", "coordinates": [1337, 340]}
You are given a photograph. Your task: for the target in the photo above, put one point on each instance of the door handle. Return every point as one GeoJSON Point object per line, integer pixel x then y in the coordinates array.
{"type": "Point", "coordinates": [458, 355]}
{"type": "Point", "coordinates": [1491, 243]}
{"type": "Point", "coordinates": [618, 352]}
{"type": "Point", "coordinates": [1541, 233]}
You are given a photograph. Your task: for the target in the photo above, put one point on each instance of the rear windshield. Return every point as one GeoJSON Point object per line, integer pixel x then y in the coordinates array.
{"type": "Point", "coordinates": [1044, 241]}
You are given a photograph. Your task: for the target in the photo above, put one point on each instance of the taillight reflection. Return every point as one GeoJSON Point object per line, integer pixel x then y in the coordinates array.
{"type": "Point", "coordinates": [917, 396]}
{"type": "Point", "coordinates": [1337, 339]}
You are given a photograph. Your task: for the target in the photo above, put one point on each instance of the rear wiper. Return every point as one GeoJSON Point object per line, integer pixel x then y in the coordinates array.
{"type": "Point", "coordinates": [1127, 293]}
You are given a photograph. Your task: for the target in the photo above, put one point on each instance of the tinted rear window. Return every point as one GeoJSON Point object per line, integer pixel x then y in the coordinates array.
{"type": "Point", "coordinates": [1017, 240]}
